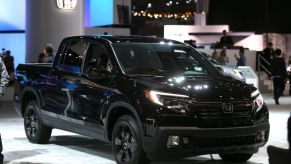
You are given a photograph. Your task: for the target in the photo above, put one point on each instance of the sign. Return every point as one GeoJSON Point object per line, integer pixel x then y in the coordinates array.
{"type": "Point", "coordinates": [67, 4]}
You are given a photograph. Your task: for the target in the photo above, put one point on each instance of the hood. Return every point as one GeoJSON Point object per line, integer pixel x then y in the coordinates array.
{"type": "Point", "coordinates": [200, 88]}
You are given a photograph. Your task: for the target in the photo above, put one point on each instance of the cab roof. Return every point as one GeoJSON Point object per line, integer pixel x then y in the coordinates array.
{"type": "Point", "coordinates": [126, 39]}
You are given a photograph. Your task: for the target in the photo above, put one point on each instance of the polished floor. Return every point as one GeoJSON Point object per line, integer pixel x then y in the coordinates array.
{"type": "Point", "coordinates": [69, 148]}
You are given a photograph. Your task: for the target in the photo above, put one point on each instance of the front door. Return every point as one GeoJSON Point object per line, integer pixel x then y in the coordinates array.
{"type": "Point", "coordinates": [96, 86]}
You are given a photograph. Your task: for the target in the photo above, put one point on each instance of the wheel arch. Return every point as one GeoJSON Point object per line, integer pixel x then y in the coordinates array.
{"type": "Point", "coordinates": [28, 94]}
{"type": "Point", "coordinates": [115, 111]}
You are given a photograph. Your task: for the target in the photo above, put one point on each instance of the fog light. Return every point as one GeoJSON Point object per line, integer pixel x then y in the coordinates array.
{"type": "Point", "coordinates": [173, 141]}
{"type": "Point", "coordinates": [261, 136]}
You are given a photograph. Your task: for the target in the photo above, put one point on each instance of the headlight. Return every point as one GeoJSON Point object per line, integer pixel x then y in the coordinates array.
{"type": "Point", "coordinates": [175, 102]}
{"type": "Point", "coordinates": [258, 100]}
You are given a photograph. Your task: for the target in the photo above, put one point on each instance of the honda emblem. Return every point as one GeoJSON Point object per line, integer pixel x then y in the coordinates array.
{"type": "Point", "coordinates": [227, 107]}
{"type": "Point", "coordinates": [67, 4]}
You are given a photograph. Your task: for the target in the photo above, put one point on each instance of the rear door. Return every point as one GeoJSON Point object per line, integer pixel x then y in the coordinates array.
{"type": "Point", "coordinates": [61, 82]}
{"type": "Point", "coordinates": [80, 88]}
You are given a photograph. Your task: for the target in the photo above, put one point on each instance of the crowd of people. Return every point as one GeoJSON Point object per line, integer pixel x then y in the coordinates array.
{"type": "Point", "coordinates": [225, 43]}
{"type": "Point", "coordinates": [279, 72]}
{"type": "Point", "coordinates": [274, 61]}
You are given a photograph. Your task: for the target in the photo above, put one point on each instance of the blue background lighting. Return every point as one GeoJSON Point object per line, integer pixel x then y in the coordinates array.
{"type": "Point", "coordinates": [16, 44]}
{"type": "Point", "coordinates": [12, 15]}
{"type": "Point", "coordinates": [98, 13]}
{"type": "Point", "coordinates": [12, 18]}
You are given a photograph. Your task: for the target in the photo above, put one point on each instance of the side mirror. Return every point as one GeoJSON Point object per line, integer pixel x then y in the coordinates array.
{"type": "Point", "coordinates": [220, 69]}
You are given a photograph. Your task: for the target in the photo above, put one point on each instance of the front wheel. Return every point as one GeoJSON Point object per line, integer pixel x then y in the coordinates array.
{"type": "Point", "coordinates": [126, 142]}
{"type": "Point", "coordinates": [36, 131]}
{"type": "Point", "coordinates": [236, 157]}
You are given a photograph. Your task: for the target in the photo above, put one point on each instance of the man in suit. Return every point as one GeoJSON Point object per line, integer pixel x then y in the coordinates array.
{"type": "Point", "coordinates": [279, 75]}
{"type": "Point", "coordinates": [225, 41]}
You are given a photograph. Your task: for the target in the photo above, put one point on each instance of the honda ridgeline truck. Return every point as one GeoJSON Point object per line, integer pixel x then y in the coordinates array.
{"type": "Point", "coordinates": [151, 98]}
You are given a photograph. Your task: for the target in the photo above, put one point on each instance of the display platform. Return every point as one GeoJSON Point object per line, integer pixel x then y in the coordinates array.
{"type": "Point", "coordinates": [70, 148]}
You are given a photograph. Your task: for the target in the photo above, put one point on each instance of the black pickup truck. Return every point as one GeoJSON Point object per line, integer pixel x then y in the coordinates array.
{"type": "Point", "coordinates": [151, 98]}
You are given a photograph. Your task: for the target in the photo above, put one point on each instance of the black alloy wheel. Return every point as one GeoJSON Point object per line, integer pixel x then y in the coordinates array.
{"type": "Point", "coordinates": [31, 123]}
{"type": "Point", "coordinates": [126, 142]}
{"type": "Point", "coordinates": [35, 130]}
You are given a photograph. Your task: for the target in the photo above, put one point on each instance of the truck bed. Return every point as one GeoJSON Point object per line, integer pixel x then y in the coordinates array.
{"type": "Point", "coordinates": [38, 69]}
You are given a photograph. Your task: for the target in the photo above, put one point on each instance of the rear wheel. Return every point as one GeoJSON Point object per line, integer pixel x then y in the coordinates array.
{"type": "Point", "coordinates": [236, 157]}
{"type": "Point", "coordinates": [36, 131]}
{"type": "Point", "coordinates": [126, 142]}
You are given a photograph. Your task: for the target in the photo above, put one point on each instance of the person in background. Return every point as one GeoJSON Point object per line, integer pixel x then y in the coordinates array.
{"type": "Point", "coordinates": [48, 54]}
{"type": "Point", "coordinates": [215, 54]}
{"type": "Point", "coordinates": [269, 52]}
{"type": "Point", "coordinates": [289, 73]}
{"type": "Point", "coordinates": [9, 63]}
{"type": "Point", "coordinates": [284, 56]}
{"type": "Point", "coordinates": [225, 41]}
{"type": "Point", "coordinates": [223, 59]}
{"type": "Point", "coordinates": [40, 57]}
{"type": "Point", "coordinates": [4, 80]}
{"type": "Point", "coordinates": [241, 60]}
{"type": "Point", "coordinates": [216, 45]}
{"type": "Point", "coordinates": [279, 74]}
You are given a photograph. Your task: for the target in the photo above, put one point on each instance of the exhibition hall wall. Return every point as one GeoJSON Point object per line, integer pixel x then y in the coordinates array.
{"type": "Point", "coordinates": [46, 24]}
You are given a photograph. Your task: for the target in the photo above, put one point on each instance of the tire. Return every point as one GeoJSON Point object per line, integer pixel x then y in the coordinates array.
{"type": "Point", "coordinates": [236, 157]}
{"type": "Point", "coordinates": [35, 130]}
{"type": "Point", "coordinates": [126, 142]}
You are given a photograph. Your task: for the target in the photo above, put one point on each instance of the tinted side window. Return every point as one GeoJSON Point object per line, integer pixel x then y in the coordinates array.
{"type": "Point", "coordinates": [74, 57]}
{"type": "Point", "coordinates": [59, 58]}
{"type": "Point", "coordinates": [97, 58]}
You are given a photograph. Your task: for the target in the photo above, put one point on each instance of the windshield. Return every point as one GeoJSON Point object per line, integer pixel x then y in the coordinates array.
{"type": "Point", "coordinates": [158, 58]}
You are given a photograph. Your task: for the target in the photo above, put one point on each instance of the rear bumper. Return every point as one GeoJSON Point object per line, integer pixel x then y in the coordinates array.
{"type": "Point", "coordinates": [206, 141]}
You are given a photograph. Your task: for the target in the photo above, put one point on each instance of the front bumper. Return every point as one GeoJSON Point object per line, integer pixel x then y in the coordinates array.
{"type": "Point", "coordinates": [205, 141]}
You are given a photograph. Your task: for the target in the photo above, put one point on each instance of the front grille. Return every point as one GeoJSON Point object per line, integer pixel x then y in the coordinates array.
{"type": "Point", "coordinates": [211, 114]}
